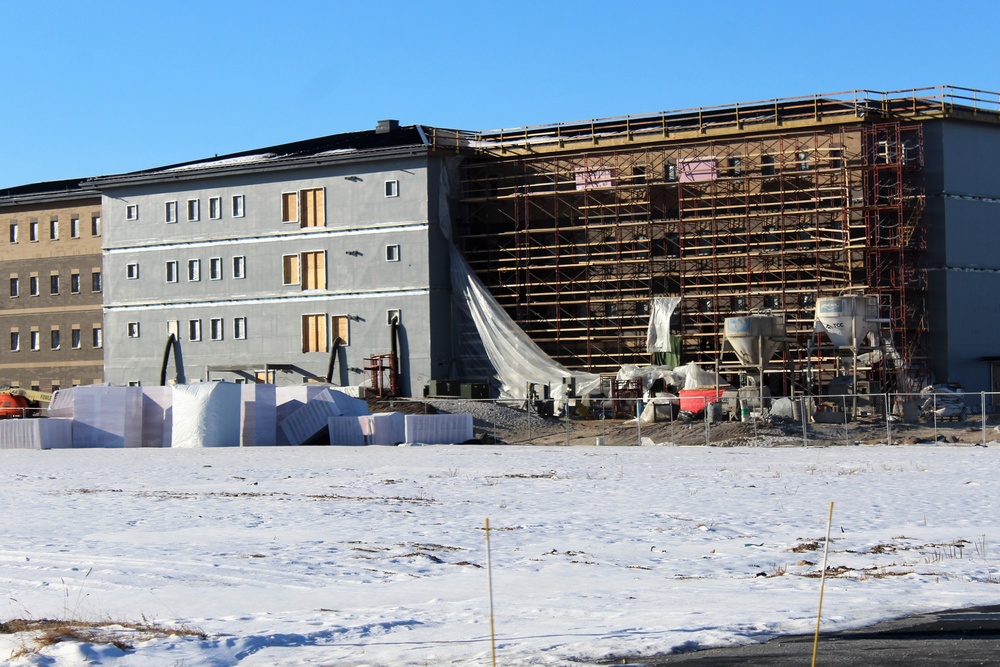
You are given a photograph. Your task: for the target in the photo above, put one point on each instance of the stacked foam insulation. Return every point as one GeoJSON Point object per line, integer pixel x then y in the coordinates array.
{"type": "Point", "coordinates": [259, 417]}
{"type": "Point", "coordinates": [102, 416]}
{"type": "Point", "coordinates": [206, 415]}
{"type": "Point", "coordinates": [157, 419]}
{"type": "Point", "coordinates": [36, 433]}
{"type": "Point", "coordinates": [438, 429]}
{"type": "Point", "coordinates": [312, 419]}
{"type": "Point", "coordinates": [346, 431]}
{"type": "Point", "coordinates": [384, 428]}
{"type": "Point", "coordinates": [288, 399]}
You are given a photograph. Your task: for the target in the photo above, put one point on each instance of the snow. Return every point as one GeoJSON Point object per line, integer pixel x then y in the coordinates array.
{"type": "Point", "coordinates": [377, 555]}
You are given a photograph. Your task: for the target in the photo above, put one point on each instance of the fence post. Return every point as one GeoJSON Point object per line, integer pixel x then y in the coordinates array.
{"type": "Point", "coordinates": [638, 422]}
{"type": "Point", "coordinates": [888, 422]}
{"type": "Point", "coordinates": [803, 411]}
{"type": "Point", "coordinates": [982, 412]}
{"type": "Point", "coordinates": [708, 426]}
{"type": "Point", "coordinates": [843, 398]}
{"type": "Point", "coordinates": [496, 412]}
{"type": "Point", "coordinates": [934, 409]}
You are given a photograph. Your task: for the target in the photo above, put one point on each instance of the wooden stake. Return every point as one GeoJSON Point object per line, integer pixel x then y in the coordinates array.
{"type": "Point", "coordinates": [822, 584]}
{"type": "Point", "coordinates": [489, 576]}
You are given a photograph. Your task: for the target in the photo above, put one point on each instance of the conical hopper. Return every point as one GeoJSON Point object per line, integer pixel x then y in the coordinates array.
{"type": "Point", "coordinates": [754, 337]}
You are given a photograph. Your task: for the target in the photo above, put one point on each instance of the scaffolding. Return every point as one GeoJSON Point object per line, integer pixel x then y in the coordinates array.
{"type": "Point", "coordinates": [574, 242]}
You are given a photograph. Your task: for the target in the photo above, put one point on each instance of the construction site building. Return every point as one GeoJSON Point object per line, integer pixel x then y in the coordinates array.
{"type": "Point", "coordinates": [576, 227]}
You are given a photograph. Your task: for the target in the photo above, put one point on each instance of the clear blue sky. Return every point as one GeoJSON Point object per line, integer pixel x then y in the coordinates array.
{"type": "Point", "coordinates": [92, 88]}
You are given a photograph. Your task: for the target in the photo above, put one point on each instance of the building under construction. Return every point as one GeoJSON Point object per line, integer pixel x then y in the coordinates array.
{"type": "Point", "coordinates": [576, 227]}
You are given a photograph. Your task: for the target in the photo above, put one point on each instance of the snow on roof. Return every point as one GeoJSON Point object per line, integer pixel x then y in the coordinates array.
{"type": "Point", "coordinates": [223, 162]}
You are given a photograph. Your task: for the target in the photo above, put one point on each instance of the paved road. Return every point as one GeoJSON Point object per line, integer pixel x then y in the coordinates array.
{"type": "Point", "coordinates": [955, 637]}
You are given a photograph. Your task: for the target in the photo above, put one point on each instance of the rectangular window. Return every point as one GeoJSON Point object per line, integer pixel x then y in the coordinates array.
{"type": "Point", "coordinates": [239, 266]}
{"type": "Point", "coordinates": [392, 316]}
{"type": "Point", "coordinates": [15, 287]}
{"type": "Point", "coordinates": [802, 161]}
{"type": "Point", "coordinates": [215, 328]}
{"type": "Point", "coordinates": [95, 225]}
{"type": "Point", "coordinates": [54, 284]}
{"type": "Point", "coordinates": [735, 166]}
{"type": "Point", "coordinates": [34, 340]}
{"type": "Point", "coordinates": [170, 211]}
{"type": "Point", "coordinates": [290, 269]}
{"type": "Point", "coordinates": [392, 253]}
{"type": "Point", "coordinates": [240, 328]}
{"type": "Point", "coordinates": [13, 232]}
{"type": "Point", "coordinates": [392, 188]}
{"type": "Point", "coordinates": [313, 212]}
{"type": "Point", "coordinates": [33, 231]}
{"type": "Point", "coordinates": [132, 271]}
{"type": "Point", "coordinates": [132, 212]}
{"type": "Point", "coordinates": [215, 268]}
{"type": "Point", "coordinates": [290, 207]}
{"type": "Point", "coordinates": [314, 270]}
{"type": "Point", "coordinates": [194, 329]}
{"type": "Point", "coordinates": [339, 328]}
{"type": "Point", "coordinates": [215, 207]}
{"type": "Point", "coordinates": [96, 337]}
{"type": "Point", "coordinates": [54, 339]}
{"type": "Point", "coordinates": [193, 210]}
{"type": "Point", "coordinates": [74, 227]}
{"type": "Point", "coordinates": [15, 341]}
{"type": "Point", "coordinates": [314, 333]}
{"type": "Point", "coordinates": [237, 206]}
{"type": "Point", "coordinates": [836, 157]}
{"type": "Point", "coordinates": [132, 329]}
{"type": "Point", "coordinates": [76, 340]}
{"type": "Point", "coordinates": [194, 270]}
{"type": "Point", "coordinates": [767, 165]}
{"type": "Point", "coordinates": [33, 285]}
{"type": "Point", "coordinates": [74, 283]}
{"type": "Point", "coordinates": [172, 271]}
{"type": "Point", "coordinates": [54, 229]}
{"type": "Point", "coordinates": [95, 281]}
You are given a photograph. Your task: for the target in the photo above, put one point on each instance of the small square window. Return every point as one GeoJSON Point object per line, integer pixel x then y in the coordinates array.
{"type": "Point", "coordinates": [54, 284]}
{"type": "Point", "coordinates": [96, 337]}
{"type": "Point", "coordinates": [215, 208]}
{"type": "Point", "coordinates": [194, 270]}
{"type": "Point", "coordinates": [172, 270]}
{"type": "Point", "coordinates": [239, 266]}
{"type": "Point", "coordinates": [392, 316]}
{"type": "Point", "coordinates": [74, 283]}
{"type": "Point", "coordinates": [33, 285]}
{"type": "Point", "coordinates": [193, 210]}
{"type": "Point", "coordinates": [133, 329]}
{"type": "Point", "coordinates": [170, 211]}
{"type": "Point", "coordinates": [392, 188]}
{"type": "Point", "coordinates": [237, 206]}
{"type": "Point", "coordinates": [131, 212]}
{"type": "Point", "coordinates": [95, 225]}
{"type": "Point", "coordinates": [74, 227]}
{"type": "Point", "coordinates": [216, 328]}
{"type": "Point", "coordinates": [194, 330]}
{"type": "Point", "coordinates": [215, 268]}
{"type": "Point", "coordinates": [132, 271]}
{"type": "Point", "coordinates": [240, 328]}
{"type": "Point", "coordinates": [392, 253]}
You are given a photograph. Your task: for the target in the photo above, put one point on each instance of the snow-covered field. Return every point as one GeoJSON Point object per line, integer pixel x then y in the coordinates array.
{"type": "Point", "coordinates": [377, 556]}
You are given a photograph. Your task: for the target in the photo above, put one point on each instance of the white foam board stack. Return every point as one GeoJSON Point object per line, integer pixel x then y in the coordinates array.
{"type": "Point", "coordinates": [313, 418]}
{"type": "Point", "coordinates": [259, 415]}
{"type": "Point", "coordinates": [206, 414]}
{"type": "Point", "coordinates": [157, 416]}
{"type": "Point", "coordinates": [384, 428]}
{"type": "Point", "coordinates": [103, 416]}
{"type": "Point", "coordinates": [53, 433]}
{"type": "Point", "coordinates": [346, 431]}
{"type": "Point", "coordinates": [438, 429]}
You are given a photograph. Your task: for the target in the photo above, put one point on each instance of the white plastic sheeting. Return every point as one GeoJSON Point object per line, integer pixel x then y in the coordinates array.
{"type": "Point", "coordinates": [515, 357]}
{"type": "Point", "coordinates": [438, 429]}
{"type": "Point", "coordinates": [309, 420]}
{"type": "Point", "coordinates": [384, 428]}
{"type": "Point", "coordinates": [103, 416]}
{"type": "Point", "coordinates": [658, 333]}
{"type": "Point", "coordinates": [259, 419]}
{"type": "Point", "coordinates": [157, 417]}
{"type": "Point", "coordinates": [290, 398]}
{"type": "Point", "coordinates": [206, 414]}
{"type": "Point", "coordinates": [36, 433]}
{"type": "Point", "coordinates": [648, 374]}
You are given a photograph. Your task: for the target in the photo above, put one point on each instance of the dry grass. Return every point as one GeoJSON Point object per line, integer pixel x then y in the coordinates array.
{"type": "Point", "coordinates": [40, 633]}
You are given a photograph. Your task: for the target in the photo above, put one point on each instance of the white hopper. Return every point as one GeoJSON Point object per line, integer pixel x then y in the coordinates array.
{"type": "Point", "coordinates": [206, 414]}
{"type": "Point", "coordinates": [755, 338]}
{"type": "Point", "coordinates": [847, 320]}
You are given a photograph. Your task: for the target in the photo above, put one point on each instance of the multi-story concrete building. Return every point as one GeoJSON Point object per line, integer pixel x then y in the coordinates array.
{"type": "Point", "coordinates": [281, 264]}
{"type": "Point", "coordinates": [50, 318]}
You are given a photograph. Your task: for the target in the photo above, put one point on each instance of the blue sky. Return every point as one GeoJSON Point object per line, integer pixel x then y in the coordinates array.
{"type": "Point", "coordinates": [93, 88]}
